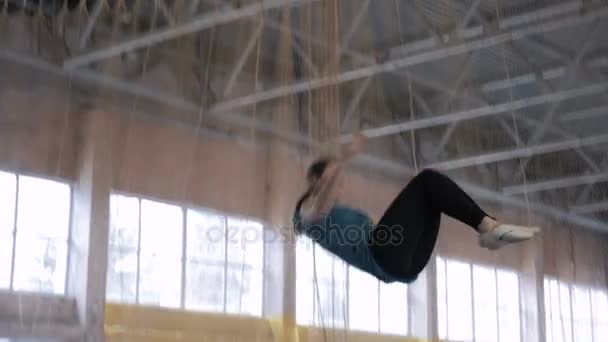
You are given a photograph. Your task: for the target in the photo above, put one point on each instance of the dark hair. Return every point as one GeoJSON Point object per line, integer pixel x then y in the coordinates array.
{"type": "Point", "coordinates": [314, 172]}
{"type": "Point", "coordinates": [316, 169]}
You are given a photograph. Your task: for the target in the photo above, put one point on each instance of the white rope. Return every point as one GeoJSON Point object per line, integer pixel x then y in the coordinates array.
{"type": "Point", "coordinates": [409, 88]}
{"type": "Point", "coordinates": [316, 289]}
{"type": "Point", "coordinates": [516, 130]}
{"type": "Point", "coordinates": [512, 114]}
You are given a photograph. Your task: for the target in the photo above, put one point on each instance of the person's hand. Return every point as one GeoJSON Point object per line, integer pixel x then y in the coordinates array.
{"type": "Point", "coordinates": [355, 147]}
{"type": "Point", "coordinates": [358, 143]}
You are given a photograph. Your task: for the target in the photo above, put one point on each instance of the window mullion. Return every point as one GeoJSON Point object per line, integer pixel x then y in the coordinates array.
{"type": "Point", "coordinates": [12, 278]}
{"type": "Point", "coordinates": [225, 262]}
{"type": "Point", "coordinates": [572, 323]}
{"type": "Point", "coordinates": [184, 257]}
{"type": "Point", "coordinates": [137, 274]}
{"type": "Point", "coordinates": [447, 300]}
{"type": "Point", "coordinates": [497, 305]}
{"type": "Point", "coordinates": [591, 315]}
{"type": "Point", "coordinates": [314, 302]}
{"type": "Point", "coordinates": [561, 313]}
{"type": "Point", "coordinates": [68, 244]}
{"type": "Point", "coordinates": [472, 303]}
{"type": "Point", "coordinates": [520, 313]}
{"type": "Point", "coordinates": [333, 292]}
{"type": "Point", "coordinates": [379, 308]}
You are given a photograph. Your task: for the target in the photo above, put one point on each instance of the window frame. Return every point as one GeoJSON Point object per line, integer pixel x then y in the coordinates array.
{"type": "Point", "coordinates": [15, 228]}
{"type": "Point", "coordinates": [184, 259]}
{"type": "Point", "coordinates": [312, 318]}
{"type": "Point", "coordinates": [571, 315]}
{"type": "Point", "coordinates": [443, 308]}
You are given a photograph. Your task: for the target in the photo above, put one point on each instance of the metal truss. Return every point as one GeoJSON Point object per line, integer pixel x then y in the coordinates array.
{"type": "Point", "coordinates": [523, 152]}
{"type": "Point", "coordinates": [590, 208]}
{"type": "Point", "coordinates": [484, 111]}
{"type": "Point", "coordinates": [196, 24]}
{"type": "Point", "coordinates": [480, 42]}
{"type": "Point", "coordinates": [556, 183]}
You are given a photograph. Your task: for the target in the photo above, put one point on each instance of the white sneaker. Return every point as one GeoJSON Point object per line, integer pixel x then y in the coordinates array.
{"type": "Point", "coordinates": [504, 234]}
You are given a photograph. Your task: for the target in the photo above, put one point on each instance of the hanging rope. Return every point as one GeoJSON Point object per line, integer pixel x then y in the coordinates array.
{"type": "Point", "coordinates": [514, 122]}
{"type": "Point", "coordinates": [257, 71]}
{"type": "Point", "coordinates": [253, 138]}
{"type": "Point", "coordinates": [317, 292]}
{"type": "Point", "coordinates": [409, 88]}
{"type": "Point", "coordinates": [512, 114]}
{"type": "Point", "coordinates": [193, 149]}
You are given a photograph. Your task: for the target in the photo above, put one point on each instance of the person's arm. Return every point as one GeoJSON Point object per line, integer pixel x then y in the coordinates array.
{"type": "Point", "coordinates": [327, 195]}
{"type": "Point", "coordinates": [354, 148]}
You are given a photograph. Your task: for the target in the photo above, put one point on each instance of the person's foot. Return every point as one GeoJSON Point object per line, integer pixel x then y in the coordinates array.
{"type": "Point", "coordinates": [497, 235]}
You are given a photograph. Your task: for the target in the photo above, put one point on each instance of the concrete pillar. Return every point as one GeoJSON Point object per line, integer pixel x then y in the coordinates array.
{"type": "Point", "coordinates": [282, 192]}
{"type": "Point", "coordinates": [422, 304]}
{"type": "Point", "coordinates": [88, 242]}
{"type": "Point", "coordinates": [532, 294]}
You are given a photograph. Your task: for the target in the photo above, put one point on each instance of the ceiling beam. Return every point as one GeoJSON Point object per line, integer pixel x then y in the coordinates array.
{"type": "Point", "coordinates": [354, 103]}
{"type": "Point", "coordinates": [354, 26]}
{"type": "Point", "coordinates": [532, 123]}
{"type": "Point", "coordinates": [90, 26]}
{"type": "Point", "coordinates": [585, 114]}
{"type": "Point", "coordinates": [484, 111]}
{"type": "Point", "coordinates": [532, 77]}
{"type": "Point", "coordinates": [441, 52]}
{"type": "Point", "coordinates": [240, 63]}
{"type": "Point", "coordinates": [196, 24]}
{"type": "Point", "coordinates": [520, 152]}
{"type": "Point", "coordinates": [558, 183]}
{"type": "Point", "coordinates": [590, 208]}
{"type": "Point", "coordinates": [539, 133]}
{"type": "Point", "coordinates": [544, 13]}
{"type": "Point", "coordinates": [504, 23]}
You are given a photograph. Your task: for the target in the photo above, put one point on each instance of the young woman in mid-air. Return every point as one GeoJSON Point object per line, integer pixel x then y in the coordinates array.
{"type": "Point", "coordinates": [400, 245]}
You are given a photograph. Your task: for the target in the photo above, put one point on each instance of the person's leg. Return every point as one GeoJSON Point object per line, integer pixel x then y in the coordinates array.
{"type": "Point", "coordinates": [451, 200]}
{"type": "Point", "coordinates": [447, 197]}
{"type": "Point", "coordinates": [412, 222]}
{"type": "Point", "coordinates": [408, 222]}
{"type": "Point", "coordinates": [424, 250]}
{"type": "Point", "coordinates": [442, 195]}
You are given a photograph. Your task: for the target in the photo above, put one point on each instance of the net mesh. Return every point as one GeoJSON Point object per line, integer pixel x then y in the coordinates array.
{"type": "Point", "coordinates": [212, 108]}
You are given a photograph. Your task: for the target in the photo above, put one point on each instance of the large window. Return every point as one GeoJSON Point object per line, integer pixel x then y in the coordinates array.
{"type": "Point", "coordinates": [166, 255]}
{"type": "Point", "coordinates": [477, 303]}
{"type": "Point", "coordinates": [324, 302]}
{"type": "Point", "coordinates": [344, 296]}
{"type": "Point", "coordinates": [575, 313]}
{"type": "Point", "coordinates": [34, 227]}
{"type": "Point", "coordinates": [224, 268]}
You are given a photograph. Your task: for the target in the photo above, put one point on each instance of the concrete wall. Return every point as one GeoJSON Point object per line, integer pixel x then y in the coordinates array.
{"type": "Point", "coordinates": [41, 130]}
{"type": "Point", "coordinates": [37, 132]}
{"type": "Point", "coordinates": [172, 164]}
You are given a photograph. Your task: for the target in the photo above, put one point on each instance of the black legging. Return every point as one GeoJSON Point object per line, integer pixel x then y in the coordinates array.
{"type": "Point", "coordinates": [405, 237]}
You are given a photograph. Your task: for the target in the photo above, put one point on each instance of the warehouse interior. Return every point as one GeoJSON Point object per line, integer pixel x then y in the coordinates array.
{"type": "Point", "coordinates": [152, 152]}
